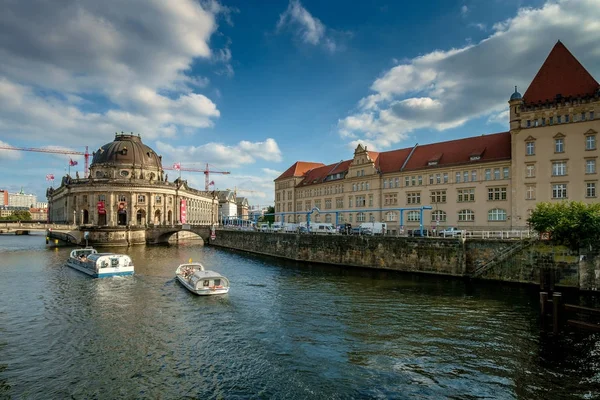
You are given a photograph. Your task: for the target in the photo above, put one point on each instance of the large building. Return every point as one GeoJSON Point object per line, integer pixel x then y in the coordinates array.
{"type": "Point", "coordinates": [21, 199]}
{"type": "Point", "coordinates": [486, 182]}
{"type": "Point", "coordinates": [127, 186]}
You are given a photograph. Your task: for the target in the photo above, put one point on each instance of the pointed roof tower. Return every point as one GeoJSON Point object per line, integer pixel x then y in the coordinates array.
{"type": "Point", "coordinates": [561, 74]}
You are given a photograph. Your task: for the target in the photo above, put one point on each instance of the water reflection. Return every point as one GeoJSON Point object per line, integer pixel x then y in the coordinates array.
{"type": "Point", "coordinates": [285, 330]}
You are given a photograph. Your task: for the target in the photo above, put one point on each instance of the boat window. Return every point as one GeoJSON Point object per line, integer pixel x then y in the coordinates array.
{"type": "Point", "coordinates": [114, 262]}
{"type": "Point", "coordinates": [217, 282]}
{"type": "Point", "coordinates": [205, 283]}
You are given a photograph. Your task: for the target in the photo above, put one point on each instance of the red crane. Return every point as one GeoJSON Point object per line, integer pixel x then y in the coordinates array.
{"type": "Point", "coordinates": [86, 155]}
{"type": "Point", "coordinates": [207, 172]}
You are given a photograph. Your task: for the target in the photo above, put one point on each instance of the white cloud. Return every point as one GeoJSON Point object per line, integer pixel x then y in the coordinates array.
{"type": "Point", "coordinates": [310, 29]}
{"type": "Point", "coordinates": [221, 155]}
{"type": "Point", "coordinates": [464, 10]}
{"type": "Point", "coordinates": [9, 154]}
{"type": "Point", "coordinates": [135, 57]}
{"type": "Point", "coordinates": [445, 89]}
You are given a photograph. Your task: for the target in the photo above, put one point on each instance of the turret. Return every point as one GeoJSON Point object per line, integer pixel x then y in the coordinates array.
{"type": "Point", "coordinates": [515, 103]}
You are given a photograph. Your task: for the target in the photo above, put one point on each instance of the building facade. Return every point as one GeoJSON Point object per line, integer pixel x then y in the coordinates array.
{"type": "Point", "coordinates": [21, 199]}
{"type": "Point", "coordinates": [487, 182]}
{"type": "Point", "coordinates": [127, 186]}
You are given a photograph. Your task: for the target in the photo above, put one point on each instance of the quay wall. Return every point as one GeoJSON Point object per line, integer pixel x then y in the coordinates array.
{"type": "Point", "coordinates": [538, 263]}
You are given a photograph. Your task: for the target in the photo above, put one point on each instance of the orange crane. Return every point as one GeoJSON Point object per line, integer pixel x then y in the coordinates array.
{"type": "Point", "coordinates": [86, 155]}
{"type": "Point", "coordinates": [207, 172]}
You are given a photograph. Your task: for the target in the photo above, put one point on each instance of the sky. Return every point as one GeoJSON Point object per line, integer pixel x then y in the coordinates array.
{"type": "Point", "coordinates": [250, 87]}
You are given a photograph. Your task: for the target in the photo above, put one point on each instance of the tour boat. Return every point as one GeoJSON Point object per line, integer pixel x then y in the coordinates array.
{"type": "Point", "coordinates": [100, 265]}
{"type": "Point", "coordinates": [201, 282]}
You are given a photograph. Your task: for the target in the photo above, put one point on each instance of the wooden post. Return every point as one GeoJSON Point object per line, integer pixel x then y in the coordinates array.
{"type": "Point", "coordinates": [543, 302]}
{"type": "Point", "coordinates": [556, 300]}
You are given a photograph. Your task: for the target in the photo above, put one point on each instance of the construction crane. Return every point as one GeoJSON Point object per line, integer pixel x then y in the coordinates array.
{"type": "Point", "coordinates": [86, 155]}
{"type": "Point", "coordinates": [206, 172]}
{"type": "Point", "coordinates": [236, 190]}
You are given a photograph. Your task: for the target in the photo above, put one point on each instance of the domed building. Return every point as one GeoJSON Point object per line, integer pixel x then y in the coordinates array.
{"type": "Point", "coordinates": [127, 187]}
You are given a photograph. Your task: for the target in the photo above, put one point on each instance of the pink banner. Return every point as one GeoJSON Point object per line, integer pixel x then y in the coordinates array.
{"type": "Point", "coordinates": [183, 212]}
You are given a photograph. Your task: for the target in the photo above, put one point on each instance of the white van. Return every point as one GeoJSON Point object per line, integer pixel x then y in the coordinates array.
{"type": "Point", "coordinates": [376, 228]}
{"type": "Point", "coordinates": [290, 228]}
{"type": "Point", "coordinates": [264, 228]}
{"type": "Point", "coordinates": [277, 227]}
{"type": "Point", "coordinates": [318, 227]}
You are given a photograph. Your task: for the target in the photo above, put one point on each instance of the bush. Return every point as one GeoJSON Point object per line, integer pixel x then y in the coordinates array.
{"type": "Point", "coordinates": [574, 224]}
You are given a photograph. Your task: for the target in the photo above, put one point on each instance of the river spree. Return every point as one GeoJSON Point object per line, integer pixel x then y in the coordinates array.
{"type": "Point", "coordinates": [284, 331]}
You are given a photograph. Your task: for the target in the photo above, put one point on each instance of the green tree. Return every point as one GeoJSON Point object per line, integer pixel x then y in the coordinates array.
{"type": "Point", "coordinates": [270, 219]}
{"type": "Point", "coordinates": [575, 224]}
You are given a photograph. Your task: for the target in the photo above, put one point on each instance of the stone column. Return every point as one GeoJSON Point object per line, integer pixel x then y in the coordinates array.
{"type": "Point", "coordinates": [111, 210]}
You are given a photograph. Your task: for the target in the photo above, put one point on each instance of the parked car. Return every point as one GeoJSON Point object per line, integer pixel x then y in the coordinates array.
{"type": "Point", "coordinates": [418, 233]}
{"type": "Point", "coordinates": [302, 229]}
{"type": "Point", "coordinates": [345, 229]}
{"type": "Point", "coordinates": [451, 231]}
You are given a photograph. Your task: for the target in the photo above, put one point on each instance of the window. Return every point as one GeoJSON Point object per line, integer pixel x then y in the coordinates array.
{"type": "Point", "coordinates": [496, 174]}
{"type": "Point", "coordinates": [413, 181]}
{"type": "Point", "coordinates": [101, 197]}
{"type": "Point", "coordinates": [390, 199]}
{"type": "Point", "coordinates": [406, 181]}
{"type": "Point", "coordinates": [360, 217]}
{"type": "Point", "coordinates": [318, 204]}
{"type": "Point", "coordinates": [567, 118]}
{"type": "Point", "coordinates": [328, 218]}
{"type": "Point", "coordinates": [590, 190]}
{"type": "Point", "coordinates": [390, 216]}
{"type": "Point", "coordinates": [141, 198]}
{"type": "Point", "coordinates": [582, 116]}
{"type": "Point", "coordinates": [466, 176]}
{"type": "Point", "coordinates": [559, 145]}
{"type": "Point", "coordinates": [551, 120]}
{"type": "Point", "coordinates": [413, 198]}
{"type": "Point", "coordinates": [559, 191]}
{"type": "Point", "coordinates": [474, 176]}
{"type": "Point", "coordinates": [590, 142]}
{"type": "Point", "coordinates": [497, 193]}
{"type": "Point", "coordinates": [360, 201]}
{"type": "Point", "coordinates": [445, 177]}
{"type": "Point", "coordinates": [438, 216]}
{"type": "Point", "coordinates": [591, 115]}
{"type": "Point", "coordinates": [354, 187]}
{"type": "Point", "coordinates": [122, 197]}
{"type": "Point", "coordinates": [298, 205]}
{"type": "Point", "coordinates": [420, 180]}
{"type": "Point", "coordinates": [465, 195]}
{"type": "Point", "coordinates": [370, 200]}
{"type": "Point", "coordinates": [529, 123]}
{"type": "Point", "coordinates": [530, 171]}
{"type": "Point", "coordinates": [431, 179]}
{"type": "Point", "coordinates": [438, 196]}
{"type": "Point", "coordinates": [530, 148]}
{"type": "Point", "coordinates": [530, 194]}
{"type": "Point", "coordinates": [457, 179]}
{"type": "Point", "coordinates": [367, 185]}
{"type": "Point", "coordinates": [385, 183]}
{"type": "Point", "coordinates": [413, 216]}
{"type": "Point", "coordinates": [466, 215]}
{"type": "Point", "coordinates": [438, 178]}
{"type": "Point", "coordinates": [559, 119]}
{"type": "Point", "coordinates": [158, 200]}
{"type": "Point", "coordinates": [559, 168]}
{"type": "Point", "coordinates": [488, 174]}
{"type": "Point", "coordinates": [307, 206]}
{"type": "Point", "coordinates": [396, 182]}
{"type": "Point", "coordinates": [328, 204]}
{"type": "Point", "coordinates": [497, 214]}
{"type": "Point", "coordinates": [339, 202]}
{"type": "Point", "coordinates": [505, 173]}
{"type": "Point", "coordinates": [590, 166]}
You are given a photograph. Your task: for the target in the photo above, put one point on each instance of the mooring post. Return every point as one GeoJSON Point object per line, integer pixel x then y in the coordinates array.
{"type": "Point", "coordinates": [556, 303]}
{"type": "Point", "coordinates": [543, 303]}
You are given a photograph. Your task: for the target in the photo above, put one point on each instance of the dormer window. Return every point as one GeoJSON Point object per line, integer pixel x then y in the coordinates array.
{"type": "Point", "coordinates": [432, 162]}
{"type": "Point", "coordinates": [475, 158]}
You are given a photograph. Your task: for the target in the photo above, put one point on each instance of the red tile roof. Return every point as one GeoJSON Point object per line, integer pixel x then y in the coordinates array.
{"type": "Point", "coordinates": [561, 74]}
{"type": "Point", "coordinates": [494, 147]}
{"type": "Point", "coordinates": [318, 175]}
{"type": "Point", "coordinates": [392, 161]}
{"type": "Point", "coordinates": [298, 169]}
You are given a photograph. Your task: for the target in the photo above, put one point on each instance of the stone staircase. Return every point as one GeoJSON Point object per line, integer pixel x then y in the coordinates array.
{"type": "Point", "coordinates": [498, 258]}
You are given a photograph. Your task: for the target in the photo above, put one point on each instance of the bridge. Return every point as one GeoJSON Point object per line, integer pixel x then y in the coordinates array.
{"type": "Point", "coordinates": [23, 228]}
{"type": "Point", "coordinates": [123, 235]}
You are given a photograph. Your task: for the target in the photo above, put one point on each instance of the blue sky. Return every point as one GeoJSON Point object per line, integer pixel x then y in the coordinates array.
{"type": "Point", "coordinates": [251, 87]}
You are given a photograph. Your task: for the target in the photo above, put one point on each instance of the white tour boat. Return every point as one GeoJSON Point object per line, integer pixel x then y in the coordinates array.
{"type": "Point", "coordinates": [100, 265]}
{"type": "Point", "coordinates": [199, 281]}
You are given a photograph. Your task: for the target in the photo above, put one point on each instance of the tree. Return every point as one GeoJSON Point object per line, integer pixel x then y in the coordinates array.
{"type": "Point", "coordinates": [575, 224]}
{"type": "Point", "coordinates": [270, 219]}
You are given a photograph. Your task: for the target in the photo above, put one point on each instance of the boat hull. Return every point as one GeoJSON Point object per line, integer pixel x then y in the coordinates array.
{"type": "Point", "coordinates": [106, 273]}
{"type": "Point", "coordinates": [202, 292]}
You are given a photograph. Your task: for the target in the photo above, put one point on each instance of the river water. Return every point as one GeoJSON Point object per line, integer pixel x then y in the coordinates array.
{"type": "Point", "coordinates": [285, 331]}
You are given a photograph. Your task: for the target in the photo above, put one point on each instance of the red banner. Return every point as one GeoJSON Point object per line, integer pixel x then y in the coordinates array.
{"type": "Point", "coordinates": [101, 209]}
{"type": "Point", "coordinates": [183, 212]}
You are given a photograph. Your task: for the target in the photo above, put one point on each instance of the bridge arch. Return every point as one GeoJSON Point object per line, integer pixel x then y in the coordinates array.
{"type": "Point", "coordinates": [161, 234]}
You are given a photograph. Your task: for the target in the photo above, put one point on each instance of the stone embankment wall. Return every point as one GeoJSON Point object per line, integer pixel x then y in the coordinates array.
{"type": "Point", "coordinates": [448, 256]}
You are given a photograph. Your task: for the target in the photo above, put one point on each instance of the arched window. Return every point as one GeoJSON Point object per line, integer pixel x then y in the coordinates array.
{"type": "Point", "coordinates": [438, 216]}
{"type": "Point", "coordinates": [466, 215]}
{"type": "Point", "coordinates": [413, 216]}
{"type": "Point", "coordinates": [328, 218]}
{"type": "Point", "coordinates": [390, 216]}
{"type": "Point", "coordinates": [360, 217]}
{"type": "Point", "coordinates": [497, 214]}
